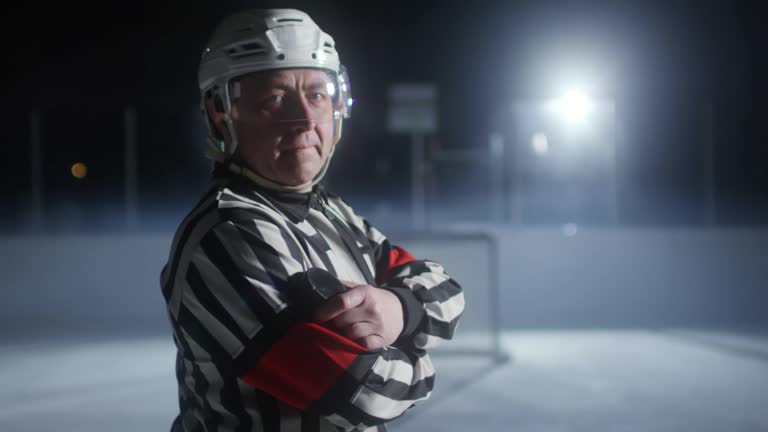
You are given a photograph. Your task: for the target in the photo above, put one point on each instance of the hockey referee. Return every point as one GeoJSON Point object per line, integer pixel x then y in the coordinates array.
{"type": "Point", "coordinates": [289, 311]}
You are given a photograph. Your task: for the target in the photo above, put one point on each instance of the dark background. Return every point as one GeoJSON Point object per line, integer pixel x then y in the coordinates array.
{"type": "Point", "coordinates": [80, 64]}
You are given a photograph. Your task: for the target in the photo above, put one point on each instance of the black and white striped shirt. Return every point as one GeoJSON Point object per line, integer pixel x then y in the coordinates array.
{"type": "Point", "coordinates": [246, 361]}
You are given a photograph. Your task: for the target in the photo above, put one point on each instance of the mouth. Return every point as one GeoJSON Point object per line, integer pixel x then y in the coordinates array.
{"type": "Point", "coordinates": [302, 151]}
{"type": "Point", "coordinates": [296, 148]}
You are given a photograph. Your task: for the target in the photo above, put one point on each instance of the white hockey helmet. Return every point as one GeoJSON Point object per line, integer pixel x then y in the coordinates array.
{"type": "Point", "coordinates": [266, 39]}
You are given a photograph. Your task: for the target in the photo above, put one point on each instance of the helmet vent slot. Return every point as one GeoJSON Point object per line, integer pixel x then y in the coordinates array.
{"type": "Point", "coordinates": [245, 54]}
{"type": "Point", "coordinates": [281, 20]}
{"type": "Point", "coordinates": [246, 50]}
{"type": "Point", "coordinates": [252, 46]}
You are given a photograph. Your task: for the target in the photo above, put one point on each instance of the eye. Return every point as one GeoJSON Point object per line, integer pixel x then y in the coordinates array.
{"type": "Point", "coordinates": [318, 96]}
{"type": "Point", "coordinates": [272, 101]}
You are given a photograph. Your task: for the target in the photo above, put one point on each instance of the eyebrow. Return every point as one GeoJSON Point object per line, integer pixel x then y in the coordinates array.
{"type": "Point", "coordinates": [319, 83]}
{"type": "Point", "coordinates": [272, 83]}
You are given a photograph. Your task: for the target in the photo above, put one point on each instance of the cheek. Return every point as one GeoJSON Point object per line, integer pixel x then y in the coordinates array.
{"type": "Point", "coordinates": [257, 135]}
{"type": "Point", "coordinates": [325, 133]}
{"type": "Point", "coordinates": [256, 144]}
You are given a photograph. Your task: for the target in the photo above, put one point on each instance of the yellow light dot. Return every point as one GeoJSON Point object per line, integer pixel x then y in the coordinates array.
{"type": "Point", "coordinates": [79, 170]}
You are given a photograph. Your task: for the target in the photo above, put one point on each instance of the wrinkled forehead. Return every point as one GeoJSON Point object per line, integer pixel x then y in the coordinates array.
{"type": "Point", "coordinates": [285, 79]}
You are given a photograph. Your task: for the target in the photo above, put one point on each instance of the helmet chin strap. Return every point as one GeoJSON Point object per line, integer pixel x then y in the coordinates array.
{"type": "Point", "coordinates": [232, 147]}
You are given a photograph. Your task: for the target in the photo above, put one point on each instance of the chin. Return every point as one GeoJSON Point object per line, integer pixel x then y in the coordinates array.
{"type": "Point", "coordinates": [301, 177]}
{"type": "Point", "coordinates": [300, 172]}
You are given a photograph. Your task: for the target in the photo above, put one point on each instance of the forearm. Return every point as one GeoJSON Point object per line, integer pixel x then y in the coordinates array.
{"type": "Point", "coordinates": [314, 369]}
{"type": "Point", "coordinates": [440, 296]}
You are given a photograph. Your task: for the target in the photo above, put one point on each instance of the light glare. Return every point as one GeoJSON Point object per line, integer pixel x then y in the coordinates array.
{"type": "Point", "coordinates": [79, 170]}
{"type": "Point", "coordinates": [574, 106]}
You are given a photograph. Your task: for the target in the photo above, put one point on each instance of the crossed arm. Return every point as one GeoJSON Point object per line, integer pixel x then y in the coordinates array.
{"type": "Point", "coordinates": [358, 364]}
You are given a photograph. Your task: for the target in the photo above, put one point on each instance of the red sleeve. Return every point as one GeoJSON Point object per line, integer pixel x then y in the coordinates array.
{"type": "Point", "coordinates": [397, 257]}
{"type": "Point", "coordinates": [303, 364]}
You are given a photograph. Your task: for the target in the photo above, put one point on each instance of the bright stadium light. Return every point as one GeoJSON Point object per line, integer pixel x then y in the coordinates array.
{"type": "Point", "coordinates": [574, 106]}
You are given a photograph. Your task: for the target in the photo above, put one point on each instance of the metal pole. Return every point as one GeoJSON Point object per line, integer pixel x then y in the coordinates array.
{"type": "Point", "coordinates": [131, 199]}
{"type": "Point", "coordinates": [36, 169]}
{"type": "Point", "coordinates": [613, 160]}
{"type": "Point", "coordinates": [515, 178]}
{"type": "Point", "coordinates": [709, 163]}
{"type": "Point", "coordinates": [496, 161]}
{"type": "Point", "coordinates": [495, 301]}
{"type": "Point", "coordinates": [417, 181]}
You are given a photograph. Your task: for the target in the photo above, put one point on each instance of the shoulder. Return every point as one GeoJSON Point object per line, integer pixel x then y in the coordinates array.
{"type": "Point", "coordinates": [341, 206]}
{"type": "Point", "coordinates": [222, 205]}
{"type": "Point", "coordinates": [237, 206]}
{"type": "Point", "coordinates": [338, 202]}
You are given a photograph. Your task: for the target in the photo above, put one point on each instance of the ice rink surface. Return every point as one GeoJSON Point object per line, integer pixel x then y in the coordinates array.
{"type": "Point", "coordinates": [555, 381]}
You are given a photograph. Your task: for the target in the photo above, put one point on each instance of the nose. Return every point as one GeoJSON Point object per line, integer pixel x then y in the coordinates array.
{"type": "Point", "coordinates": [303, 124]}
{"type": "Point", "coordinates": [302, 116]}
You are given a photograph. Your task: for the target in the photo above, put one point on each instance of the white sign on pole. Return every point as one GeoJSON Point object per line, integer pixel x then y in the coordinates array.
{"type": "Point", "coordinates": [412, 108]}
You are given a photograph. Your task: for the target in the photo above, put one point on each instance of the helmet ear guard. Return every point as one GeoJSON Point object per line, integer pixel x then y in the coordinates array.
{"type": "Point", "coordinates": [221, 103]}
{"type": "Point", "coordinates": [218, 104]}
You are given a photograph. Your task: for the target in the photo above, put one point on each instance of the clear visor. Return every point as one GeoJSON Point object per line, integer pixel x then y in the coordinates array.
{"type": "Point", "coordinates": [326, 99]}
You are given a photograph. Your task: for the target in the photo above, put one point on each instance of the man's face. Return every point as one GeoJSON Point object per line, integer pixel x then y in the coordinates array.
{"type": "Point", "coordinates": [284, 123]}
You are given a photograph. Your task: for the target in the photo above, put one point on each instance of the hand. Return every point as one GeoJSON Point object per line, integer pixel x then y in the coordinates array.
{"type": "Point", "coordinates": [370, 316]}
